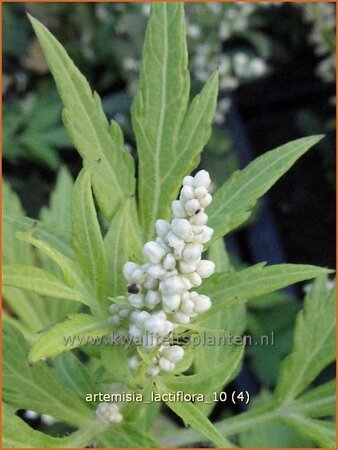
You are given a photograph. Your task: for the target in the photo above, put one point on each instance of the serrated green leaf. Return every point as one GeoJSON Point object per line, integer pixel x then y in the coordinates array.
{"type": "Point", "coordinates": [121, 246]}
{"type": "Point", "coordinates": [58, 215]}
{"type": "Point", "coordinates": [321, 432]}
{"type": "Point", "coordinates": [191, 415]}
{"type": "Point", "coordinates": [39, 281]}
{"type": "Point", "coordinates": [36, 387]}
{"type": "Point", "coordinates": [87, 239]}
{"type": "Point", "coordinates": [314, 343]}
{"type": "Point", "coordinates": [234, 288]}
{"type": "Point", "coordinates": [95, 139]}
{"type": "Point", "coordinates": [72, 333]}
{"type": "Point", "coordinates": [170, 135]}
{"type": "Point", "coordinates": [318, 402]}
{"type": "Point", "coordinates": [233, 202]}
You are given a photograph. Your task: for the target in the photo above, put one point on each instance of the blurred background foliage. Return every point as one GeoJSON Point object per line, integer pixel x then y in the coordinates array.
{"type": "Point", "coordinates": [277, 82]}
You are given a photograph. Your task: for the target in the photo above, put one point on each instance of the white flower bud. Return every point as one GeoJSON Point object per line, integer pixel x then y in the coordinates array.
{"type": "Point", "coordinates": [202, 178]}
{"type": "Point", "coordinates": [199, 219]}
{"type": "Point", "coordinates": [152, 299]}
{"type": "Point", "coordinates": [138, 276]}
{"type": "Point", "coordinates": [188, 181]}
{"type": "Point", "coordinates": [135, 331]}
{"type": "Point", "coordinates": [187, 306]}
{"type": "Point", "coordinates": [124, 313]}
{"type": "Point", "coordinates": [195, 279]}
{"type": "Point", "coordinates": [186, 267]}
{"type": "Point", "coordinates": [133, 362]}
{"type": "Point", "coordinates": [150, 283]}
{"type": "Point", "coordinates": [128, 269]}
{"type": "Point", "coordinates": [166, 365]}
{"type": "Point", "coordinates": [169, 262]}
{"type": "Point", "coordinates": [182, 228]}
{"type": "Point", "coordinates": [174, 241]}
{"type": "Point", "coordinates": [201, 192]}
{"type": "Point", "coordinates": [192, 252]}
{"type": "Point", "coordinates": [136, 300]}
{"type": "Point", "coordinates": [192, 206]}
{"type": "Point", "coordinates": [162, 228]}
{"type": "Point", "coordinates": [154, 324]}
{"type": "Point", "coordinates": [171, 302]}
{"type": "Point", "coordinates": [187, 193]}
{"type": "Point", "coordinates": [178, 209]}
{"type": "Point", "coordinates": [108, 413]}
{"type": "Point", "coordinates": [174, 353]}
{"type": "Point", "coordinates": [181, 317]}
{"type": "Point", "coordinates": [153, 371]}
{"type": "Point", "coordinates": [113, 308]}
{"type": "Point", "coordinates": [153, 252]}
{"type": "Point", "coordinates": [139, 317]}
{"type": "Point", "coordinates": [172, 285]}
{"type": "Point", "coordinates": [114, 320]}
{"type": "Point", "coordinates": [167, 328]}
{"type": "Point", "coordinates": [205, 268]}
{"type": "Point", "coordinates": [202, 303]}
{"type": "Point", "coordinates": [186, 281]}
{"type": "Point", "coordinates": [156, 271]}
{"type": "Point", "coordinates": [206, 235]}
{"type": "Point", "coordinates": [205, 201]}
{"type": "Point", "coordinates": [197, 229]}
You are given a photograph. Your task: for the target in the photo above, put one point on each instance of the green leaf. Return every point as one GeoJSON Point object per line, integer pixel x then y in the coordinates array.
{"type": "Point", "coordinates": [127, 436]}
{"type": "Point", "coordinates": [233, 202]}
{"type": "Point", "coordinates": [18, 434]}
{"type": "Point", "coordinates": [95, 139]}
{"type": "Point", "coordinates": [73, 374]}
{"type": "Point", "coordinates": [39, 281]}
{"type": "Point", "coordinates": [121, 246]}
{"type": "Point", "coordinates": [87, 239]}
{"type": "Point", "coordinates": [232, 289]}
{"type": "Point", "coordinates": [169, 134]}
{"type": "Point", "coordinates": [319, 431]}
{"type": "Point", "coordinates": [159, 107]}
{"type": "Point", "coordinates": [57, 215]}
{"type": "Point", "coordinates": [318, 402]}
{"type": "Point", "coordinates": [74, 332]}
{"type": "Point", "coordinates": [114, 359]}
{"type": "Point", "coordinates": [36, 387]}
{"type": "Point", "coordinates": [194, 417]}
{"type": "Point", "coordinates": [314, 343]}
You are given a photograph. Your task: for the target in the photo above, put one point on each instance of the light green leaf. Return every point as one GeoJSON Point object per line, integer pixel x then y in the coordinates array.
{"type": "Point", "coordinates": [87, 239]}
{"type": "Point", "coordinates": [314, 343]}
{"type": "Point", "coordinates": [319, 431]}
{"type": "Point", "coordinates": [57, 215]}
{"type": "Point", "coordinates": [72, 333]}
{"type": "Point", "coordinates": [170, 135]}
{"type": "Point", "coordinates": [73, 374]}
{"type": "Point", "coordinates": [114, 359]}
{"type": "Point", "coordinates": [233, 202]}
{"type": "Point", "coordinates": [121, 246]}
{"type": "Point", "coordinates": [159, 107]}
{"type": "Point", "coordinates": [95, 139]}
{"type": "Point", "coordinates": [39, 281]}
{"type": "Point", "coordinates": [190, 414]}
{"type": "Point", "coordinates": [318, 402]}
{"type": "Point", "coordinates": [232, 289]}
{"type": "Point", "coordinates": [36, 387]}
{"type": "Point", "coordinates": [18, 434]}
{"type": "Point", "coordinates": [41, 231]}
{"type": "Point", "coordinates": [127, 436]}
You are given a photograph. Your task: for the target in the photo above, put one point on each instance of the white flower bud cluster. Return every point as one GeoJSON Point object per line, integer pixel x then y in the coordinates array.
{"type": "Point", "coordinates": [160, 297]}
{"type": "Point", "coordinates": [108, 413]}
